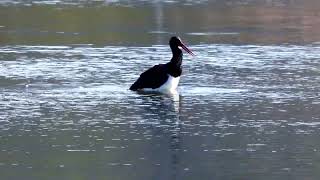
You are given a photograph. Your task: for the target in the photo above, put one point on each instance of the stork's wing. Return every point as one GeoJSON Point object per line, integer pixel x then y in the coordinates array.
{"type": "Point", "coordinates": [152, 78]}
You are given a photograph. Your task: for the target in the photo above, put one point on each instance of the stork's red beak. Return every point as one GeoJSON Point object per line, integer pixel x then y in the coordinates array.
{"type": "Point", "coordinates": [186, 49]}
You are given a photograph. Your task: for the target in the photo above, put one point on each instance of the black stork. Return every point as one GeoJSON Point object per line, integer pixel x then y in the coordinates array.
{"type": "Point", "coordinates": [163, 77]}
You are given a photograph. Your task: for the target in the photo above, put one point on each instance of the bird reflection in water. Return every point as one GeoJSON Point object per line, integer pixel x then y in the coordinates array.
{"type": "Point", "coordinates": [166, 107]}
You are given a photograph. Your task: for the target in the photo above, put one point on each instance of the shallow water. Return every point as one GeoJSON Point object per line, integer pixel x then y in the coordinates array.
{"type": "Point", "coordinates": [247, 105]}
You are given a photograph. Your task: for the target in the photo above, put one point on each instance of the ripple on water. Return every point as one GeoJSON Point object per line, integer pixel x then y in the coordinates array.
{"type": "Point", "coordinates": [212, 33]}
{"type": "Point", "coordinates": [97, 2]}
{"type": "Point", "coordinates": [206, 91]}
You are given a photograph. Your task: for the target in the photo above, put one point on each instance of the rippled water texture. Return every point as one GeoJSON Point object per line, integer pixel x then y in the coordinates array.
{"type": "Point", "coordinates": [246, 108]}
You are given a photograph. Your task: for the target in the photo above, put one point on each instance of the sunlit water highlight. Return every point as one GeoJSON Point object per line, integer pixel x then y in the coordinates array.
{"type": "Point", "coordinates": [241, 111]}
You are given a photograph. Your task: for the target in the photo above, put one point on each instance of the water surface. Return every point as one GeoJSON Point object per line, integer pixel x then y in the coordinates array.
{"type": "Point", "coordinates": [247, 107]}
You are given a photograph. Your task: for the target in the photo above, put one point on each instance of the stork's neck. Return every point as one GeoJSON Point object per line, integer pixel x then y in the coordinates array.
{"type": "Point", "coordinates": [174, 66]}
{"type": "Point", "coordinates": [176, 59]}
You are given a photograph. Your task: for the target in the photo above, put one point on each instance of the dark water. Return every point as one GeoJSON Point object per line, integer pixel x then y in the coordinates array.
{"type": "Point", "coordinates": [247, 107]}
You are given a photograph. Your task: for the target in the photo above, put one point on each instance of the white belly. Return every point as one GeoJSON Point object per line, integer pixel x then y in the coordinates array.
{"type": "Point", "coordinates": [169, 86]}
